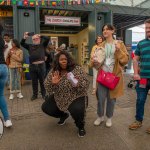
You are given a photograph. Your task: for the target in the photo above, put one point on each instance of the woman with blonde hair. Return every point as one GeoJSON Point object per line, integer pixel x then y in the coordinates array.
{"type": "Point", "coordinates": [16, 58]}
{"type": "Point", "coordinates": [98, 42]}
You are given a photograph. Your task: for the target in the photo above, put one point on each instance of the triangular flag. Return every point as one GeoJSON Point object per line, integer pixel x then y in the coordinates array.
{"type": "Point", "coordinates": [36, 3]}
{"type": "Point", "coordinates": [69, 2]}
{"type": "Point", "coordinates": [14, 1]}
{"type": "Point", "coordinates": [43, 2]}
{"type": "Point", "coordinates": [97, 1]}
{"type": "Point", "coordinates": [87, 1]}
{"type": "Point", "coordinates": [25, 2]}
{"type": "Point", "coordinates": [20, 3]}
{"type": "Point", "coordinates": [2, 2]}
{"type": "Point", "coordinates": [31, 3]}
{"type": "Point", "coordinates": [83, 1]}
{"type": "Point", "coordinates": [91, 1]}
{"type": "Point", "coordinates": [78, 2]}
{"type": "Point", "coordinates": [8, 2]}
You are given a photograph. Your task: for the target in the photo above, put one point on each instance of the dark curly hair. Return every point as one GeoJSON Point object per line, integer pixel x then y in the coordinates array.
{"type": "Point", "coordinates": [70, 62]}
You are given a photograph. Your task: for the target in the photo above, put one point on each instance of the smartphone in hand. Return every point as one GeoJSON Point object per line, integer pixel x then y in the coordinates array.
{"type": "Point", "coordinates": [72, 79]}
{"type": "Point", "coordinates": [30, 33]}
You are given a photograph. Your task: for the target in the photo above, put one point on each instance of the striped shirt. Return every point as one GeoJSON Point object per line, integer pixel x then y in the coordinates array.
{"type": "Point", "coordinates": [143, 51]}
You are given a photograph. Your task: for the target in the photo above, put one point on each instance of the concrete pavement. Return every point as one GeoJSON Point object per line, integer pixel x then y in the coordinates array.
{"type": "Point", "coordinates": [33, 130]}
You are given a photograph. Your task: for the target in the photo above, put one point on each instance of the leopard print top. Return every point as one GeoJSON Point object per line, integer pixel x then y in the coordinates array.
{"type": "Point", "coordinates": [64, 92]}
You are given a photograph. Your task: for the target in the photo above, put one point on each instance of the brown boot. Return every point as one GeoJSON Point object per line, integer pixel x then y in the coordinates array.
{"type": "Point", "coordinates": [148, 131]}
{"type": "Point", "coordinates": [135, 125]}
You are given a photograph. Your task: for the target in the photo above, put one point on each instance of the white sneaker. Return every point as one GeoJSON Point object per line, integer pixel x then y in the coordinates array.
{"type": "Point", "coordinates": [19, 95]}
{"type": "Point", "coordinates": [11, 96]}
{"type": "Point", "coordinates": [108, 122]}
{"type": "Point", "coordinates": [8, 123]}
{"type": "Point", "coordinates": [98, 121]}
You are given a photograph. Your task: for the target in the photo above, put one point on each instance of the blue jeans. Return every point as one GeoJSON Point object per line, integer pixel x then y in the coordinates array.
{"type": "Point", "coordinates": [15, 80]}
{"type": "Point", "coordinates": [3, 79]}
{"type": "Point", "coordinates": [141, 99]}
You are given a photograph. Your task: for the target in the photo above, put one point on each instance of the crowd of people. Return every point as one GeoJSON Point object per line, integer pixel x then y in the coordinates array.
{"type": "Point", "coordinates": [64, 84]}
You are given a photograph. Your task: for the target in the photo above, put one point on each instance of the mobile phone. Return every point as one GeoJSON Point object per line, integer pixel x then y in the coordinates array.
{"type": "Point", "coordinates": [30, 33]}
{"type": "Point", "coordinates": [72, 79]}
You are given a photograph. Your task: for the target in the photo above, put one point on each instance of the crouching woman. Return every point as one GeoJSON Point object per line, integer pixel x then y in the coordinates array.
{"type": "Point", "coordinates": [67, 86]}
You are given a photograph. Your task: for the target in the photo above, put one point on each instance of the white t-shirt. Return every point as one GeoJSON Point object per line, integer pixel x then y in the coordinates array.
{"type": "Point", "coordinates": [7, 49]}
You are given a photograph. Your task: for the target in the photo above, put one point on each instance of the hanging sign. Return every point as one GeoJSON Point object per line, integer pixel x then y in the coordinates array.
{"type": "Point", "coordinates": [64, 21]}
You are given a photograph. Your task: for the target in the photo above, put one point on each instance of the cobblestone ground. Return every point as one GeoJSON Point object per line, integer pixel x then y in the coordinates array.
{"type": "Point", "coordinates": [33, 130]}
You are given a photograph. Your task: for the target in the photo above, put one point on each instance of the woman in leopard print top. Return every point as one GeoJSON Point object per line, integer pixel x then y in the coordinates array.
{"type": "Point", "coordinates": [63, 94]}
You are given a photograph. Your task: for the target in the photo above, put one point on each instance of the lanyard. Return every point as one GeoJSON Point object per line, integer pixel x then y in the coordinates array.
{"type": "Point", "coordinates": [109, 50]}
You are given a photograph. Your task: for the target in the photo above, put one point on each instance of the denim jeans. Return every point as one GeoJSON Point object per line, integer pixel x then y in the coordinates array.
{"type": "Point", "coordinates": [141, 99]}
{"type": "Point", "coordinates": [8, 79]}
{"type": "Point", "coordinates": [102, 94]}
{"type": "Point", "coordinates": [3, 79]}
{"type": "Point", "coordinates": [15, 80]}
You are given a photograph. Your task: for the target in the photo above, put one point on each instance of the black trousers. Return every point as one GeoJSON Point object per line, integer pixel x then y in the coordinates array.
{"type": "Point", "coordinates": [77, 110]}
{"type": "Point", "coordinates": [37, 73]}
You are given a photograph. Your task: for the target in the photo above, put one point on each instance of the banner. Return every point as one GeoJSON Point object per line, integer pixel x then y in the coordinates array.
{"type": "Point", "coordinates": [64, 21]}
{"type": "Point", "coordinates": [54, 3]}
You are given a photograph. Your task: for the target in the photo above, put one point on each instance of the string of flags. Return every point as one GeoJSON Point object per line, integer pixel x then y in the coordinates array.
{"type": "Point", "coordinates": [33, 3]}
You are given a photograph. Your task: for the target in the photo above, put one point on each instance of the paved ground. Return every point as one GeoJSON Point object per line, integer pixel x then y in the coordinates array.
{"type": "Point", "coordinates": [33, 130]}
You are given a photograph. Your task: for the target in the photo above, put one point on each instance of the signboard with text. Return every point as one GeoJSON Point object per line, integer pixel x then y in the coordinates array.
{"type": "Point", "coordinates": [64, 21]}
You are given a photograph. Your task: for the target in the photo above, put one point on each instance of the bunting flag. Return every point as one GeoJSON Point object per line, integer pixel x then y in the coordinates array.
{"type": "Point", "coordinates": [78, 2]}
{"type": "Point", "coordinates": [87, 1]}
{"type": "Point", "coordinates": [2, 2]}
{"type": "Point", "coordinates": [49, 2]}
{"type": "Point", "coordinates": [92, 1]}
{"type": "Point", "coordinates": [36, 3]}
{"type": "Point", "coordinates": [54, 3]}
{"type": "Point", "coordinates": [97, 1]}
{"type": "Point", "coordinates": [43, 2]}
{"type": "Point", "coordinates": [8, 2]}
{"type": "Point", "coordinates": [14, 2]}
{"type": "Point", "coordinates": [58, 2]}
{"type": "Point", "coordinates": [69, 2]}
{"type": "Point", "coordinates": [20, 3]}
{"type": "Point", "coordinates": [25, 2]}
{"type": "Point", "coordinates": [31, 3]}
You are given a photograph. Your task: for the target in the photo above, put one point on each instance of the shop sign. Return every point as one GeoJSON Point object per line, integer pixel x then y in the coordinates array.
{"type": "Point", "coordinates": [4, 13]}
{"type": "Point", "coordinates": [64, 21]}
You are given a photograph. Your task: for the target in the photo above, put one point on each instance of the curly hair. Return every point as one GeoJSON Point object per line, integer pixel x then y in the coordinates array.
{"type": "Point", "coordinates": [70, 62]}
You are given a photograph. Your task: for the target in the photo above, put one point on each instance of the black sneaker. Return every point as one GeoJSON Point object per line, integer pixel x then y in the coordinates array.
{"type": "Point", "coordinates": [63, 119]}
{"type": "Point", "coordinates": [81, 132]}
{"type": "Point", "coordinates": [33, 98]}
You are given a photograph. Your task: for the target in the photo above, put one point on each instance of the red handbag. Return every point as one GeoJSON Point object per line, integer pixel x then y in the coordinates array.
{"type": "Point", "coordinates": [108, 79]}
